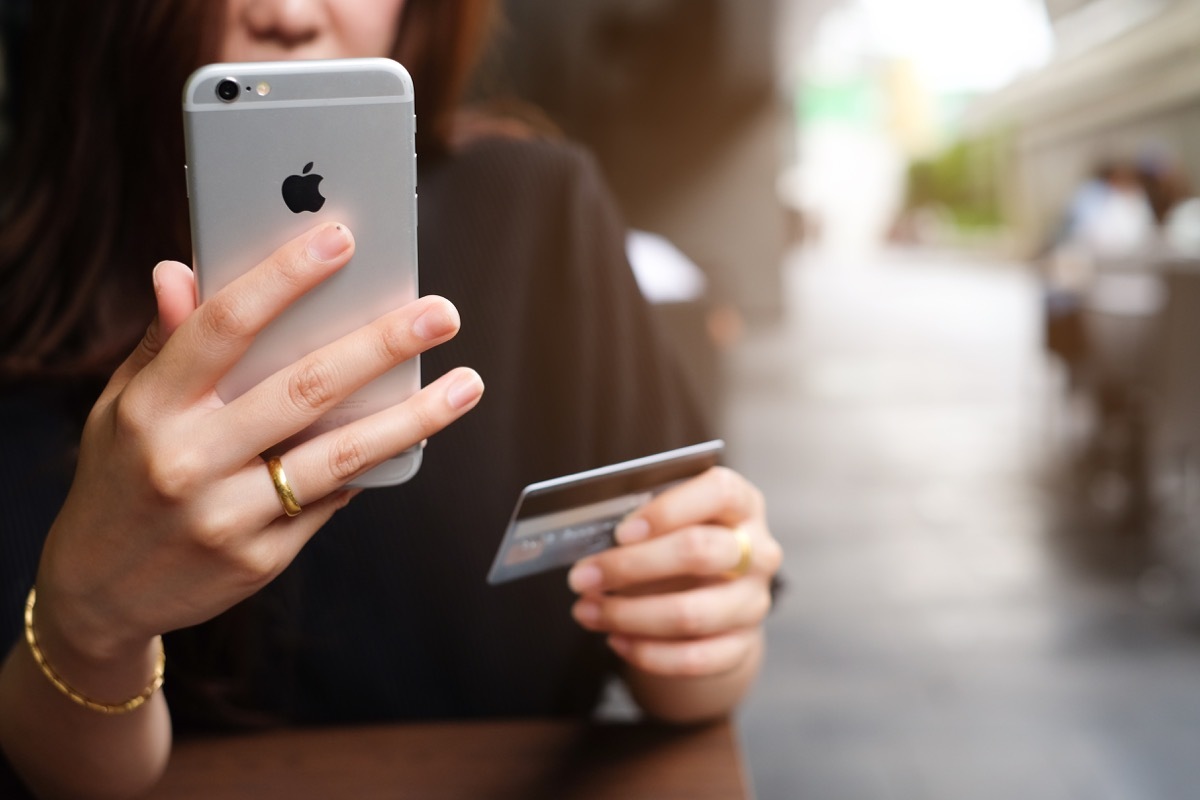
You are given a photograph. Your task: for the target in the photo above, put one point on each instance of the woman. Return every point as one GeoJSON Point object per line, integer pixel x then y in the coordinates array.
{"type": "Point", "coordinates": [170, 523]}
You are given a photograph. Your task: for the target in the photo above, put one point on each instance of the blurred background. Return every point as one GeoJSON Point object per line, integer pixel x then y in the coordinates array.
{"type": "Point", "coordinates": [933, 268]}
{"type": "Point", "coordinates": [946, 314]}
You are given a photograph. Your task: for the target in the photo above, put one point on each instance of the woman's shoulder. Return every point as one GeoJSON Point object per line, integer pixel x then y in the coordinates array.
{"type": "Point", "coordinates": [527, 168]}
{"type": "Point", "coordinates": [523, 204]}
{"type": "Point", "coordinates": [544, 153]}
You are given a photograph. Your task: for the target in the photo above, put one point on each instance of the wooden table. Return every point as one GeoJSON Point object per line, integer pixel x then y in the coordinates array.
{"type": "Point", "coordinates": [523, 760]}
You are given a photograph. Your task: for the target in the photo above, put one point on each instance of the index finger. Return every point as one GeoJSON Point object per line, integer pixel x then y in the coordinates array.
{"type": "Point", "coordinates": [718, 496]}
{"type": "Point", "coordinates": [216, 335]}
{"type": "Point", "coordinates": [700, 551]}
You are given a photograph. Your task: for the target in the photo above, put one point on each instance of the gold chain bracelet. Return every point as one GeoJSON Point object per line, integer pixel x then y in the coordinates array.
{"type": "Point", "coordinates": [78, 697]}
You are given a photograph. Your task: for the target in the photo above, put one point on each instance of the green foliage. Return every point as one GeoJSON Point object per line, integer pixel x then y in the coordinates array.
{"type": "Point", "coordinates": [964, 180]}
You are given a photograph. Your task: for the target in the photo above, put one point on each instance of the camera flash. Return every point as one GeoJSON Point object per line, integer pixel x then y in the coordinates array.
{"type": "Point", "coordinates": [263, 89]}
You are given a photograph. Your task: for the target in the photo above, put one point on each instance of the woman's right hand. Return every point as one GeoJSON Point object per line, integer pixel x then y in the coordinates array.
{"type": "Point", "coordinates": [172, 516]}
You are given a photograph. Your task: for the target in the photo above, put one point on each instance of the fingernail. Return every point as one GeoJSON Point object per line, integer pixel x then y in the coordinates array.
{"type": "Point", "coordinates": [584, 578]}
{"type": "Point", "coordinates": [464, 391]}
{"type": "Point", "coordinates": [588, 613]}
{"type": "Point", "coordinates": [619, 643]}
{"type": "Point", "coordinates": [329, 243]}
{"type": "Point", "coordinates": [154, 278]}
{"type": "Point", "coordinates": [633, 530]}
{"type": "Point", "coordinates": [435, 323]}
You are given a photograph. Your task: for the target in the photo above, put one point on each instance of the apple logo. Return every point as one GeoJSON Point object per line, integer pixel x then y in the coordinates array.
{"type": "Point", "coordinates": [303, 192]}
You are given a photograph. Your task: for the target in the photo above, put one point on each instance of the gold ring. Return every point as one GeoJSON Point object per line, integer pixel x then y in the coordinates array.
{"type": "Point", "coordinates": [287, 498]}
{"type": "Point", "coordinates": [744, 553]}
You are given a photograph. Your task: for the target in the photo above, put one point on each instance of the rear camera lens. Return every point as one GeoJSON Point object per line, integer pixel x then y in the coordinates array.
{"type": "Point", "coordinates": [228, 90]}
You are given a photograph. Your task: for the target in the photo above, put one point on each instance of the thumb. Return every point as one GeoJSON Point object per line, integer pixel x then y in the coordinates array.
{"type": "Point", "coordinates": [175, 289]}
{"type": "Point", "coordinates": [175, 293]}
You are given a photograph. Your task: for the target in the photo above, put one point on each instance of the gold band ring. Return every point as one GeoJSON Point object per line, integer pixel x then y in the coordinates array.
{"type": "Point", "coordinates": [744, 552]}
{"type": "Point", "coordinates": [287, 498]}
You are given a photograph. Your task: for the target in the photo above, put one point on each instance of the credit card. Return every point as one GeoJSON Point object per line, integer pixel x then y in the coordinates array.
{"type": "Point", "coordinates": [559, 521]}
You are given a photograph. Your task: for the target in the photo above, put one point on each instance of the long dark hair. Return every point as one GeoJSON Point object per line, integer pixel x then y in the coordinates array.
{"type": "Point", "coordinates": [94, 194]}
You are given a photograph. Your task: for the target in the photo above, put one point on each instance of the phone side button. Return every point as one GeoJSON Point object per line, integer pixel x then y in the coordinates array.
{"type": "Point", "coordinates": [416, 210]}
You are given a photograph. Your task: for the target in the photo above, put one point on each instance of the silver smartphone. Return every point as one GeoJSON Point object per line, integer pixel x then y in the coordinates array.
{"type": "Point", "coordinates": [272, 150]}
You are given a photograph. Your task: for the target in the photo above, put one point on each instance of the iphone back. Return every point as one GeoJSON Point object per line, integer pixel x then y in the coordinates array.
{"type": "Point", "coordinates": [272, 150]}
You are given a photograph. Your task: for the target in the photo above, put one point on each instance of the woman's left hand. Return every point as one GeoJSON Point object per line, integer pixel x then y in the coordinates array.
{"type": "Point", "coordinates": [681, 596]}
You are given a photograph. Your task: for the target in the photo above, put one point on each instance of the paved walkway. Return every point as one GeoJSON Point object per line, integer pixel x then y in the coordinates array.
{"type": "Point", "coordinates": [950, 629]}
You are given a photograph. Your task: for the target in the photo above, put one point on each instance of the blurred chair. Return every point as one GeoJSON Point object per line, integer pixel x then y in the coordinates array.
{"type": "Point", "coordinates": [1175, 417]}
{"type": "Point", "coordinates": [1121, 315]}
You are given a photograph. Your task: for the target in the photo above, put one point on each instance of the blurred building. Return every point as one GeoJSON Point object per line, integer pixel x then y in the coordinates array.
{"type": "Point", "coordinates": [679, 101]}
{"type": "Point", "coordinates": [1124, 84]}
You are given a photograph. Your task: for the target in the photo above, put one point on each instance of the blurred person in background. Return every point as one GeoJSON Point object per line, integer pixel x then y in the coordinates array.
{"type": "Point", "coordinates": [1104, 302]}
{"type": "Point", "coordinates": [1107, 220]}
{"type": "Point", "coordinates": [1109, 217]}
{"type": "Point", "coordinates": [137, 508]}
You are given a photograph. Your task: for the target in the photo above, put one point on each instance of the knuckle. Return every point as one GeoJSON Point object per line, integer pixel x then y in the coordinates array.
{"type": "Point", "coordinates": [394, 345]}
{"type": "Point", "coordinates": [698, 550]}
{"type": "Point", "coordinates": [103, 414]}
{"type": "Point", "coordinates": [128, 418]}
{"type": "Point", "coordinates": [224, 318]}
{"type": "Point", "coordinates": [348, 457]}
{"type": "Point", "coordinates": [252, 567]}
{"type": "Point", "coordinates": [425, 418]}
{"type": "Point", "coordinates": [153, 341]}
{"type": "Point", "coordinates": [220, 537]}
{"type": "Point", "coordinates": [215, 533]}
{"type": "Point", "coordinates": [290, 267]}
{"type": "Point", "coordinates": [173, 477]}
{"type": "Point", "coordinates": [311, 387]}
